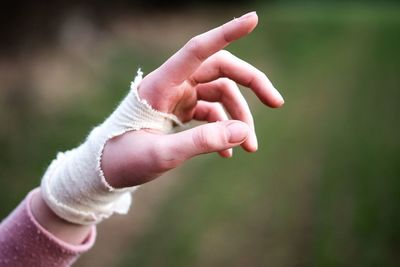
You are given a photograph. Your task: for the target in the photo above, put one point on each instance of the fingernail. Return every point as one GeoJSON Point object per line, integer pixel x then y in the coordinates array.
{"type": "Point", "coordinates": [230, 153]}
{"type": "Point", "coordinates": [237, 132]}
{"type": "Point", "coordinates": [280, 100]}
{"type": "Point", "coordinates": [255, 142]}
{"type": "Point", "coordinates": [245, 16]}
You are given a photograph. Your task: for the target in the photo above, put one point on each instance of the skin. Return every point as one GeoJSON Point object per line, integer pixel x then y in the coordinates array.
{"type": "Point", "coordinates": [193, 84]}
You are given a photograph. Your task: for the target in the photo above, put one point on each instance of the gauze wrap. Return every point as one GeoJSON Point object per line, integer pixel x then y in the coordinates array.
{"type": "Point", "coordinates": [74, 186]}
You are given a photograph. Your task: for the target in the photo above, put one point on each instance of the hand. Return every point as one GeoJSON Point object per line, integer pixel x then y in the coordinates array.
{"type": "Point", "coordinates": [190, 84]}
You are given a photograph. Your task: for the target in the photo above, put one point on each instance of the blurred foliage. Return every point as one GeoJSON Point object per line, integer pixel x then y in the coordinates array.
{"type": "Point", "coordinates": [324, 187]}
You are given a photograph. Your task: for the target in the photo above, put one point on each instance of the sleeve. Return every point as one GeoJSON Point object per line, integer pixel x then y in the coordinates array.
{"type": "Point", "coordinates": [24, 242]}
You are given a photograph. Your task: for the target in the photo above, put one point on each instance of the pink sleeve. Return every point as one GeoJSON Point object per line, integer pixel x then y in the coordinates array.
{"type": "Point", "coordinates": [23, 242]}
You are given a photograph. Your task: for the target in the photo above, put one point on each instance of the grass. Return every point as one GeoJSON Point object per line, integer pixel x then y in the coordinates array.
{"type": "Point", "coordinates": [323, 189]}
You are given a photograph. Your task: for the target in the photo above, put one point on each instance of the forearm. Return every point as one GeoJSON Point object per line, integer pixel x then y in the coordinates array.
{"type": "Point", "coordinates": [71, 233]}
{"type": "Point", "coordinates": [24, 241]}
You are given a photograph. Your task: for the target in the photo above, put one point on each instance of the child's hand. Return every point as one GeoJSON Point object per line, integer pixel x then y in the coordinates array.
{"type": "Point", "coordinates": [133, 145]}
{"type": "Point", "coordinates": [188, 85]}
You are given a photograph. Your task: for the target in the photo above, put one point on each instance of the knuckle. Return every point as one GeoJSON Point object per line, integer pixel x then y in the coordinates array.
{"type": "Point", "coordinates": [154, 151]}
{"type": "Point", "coordinates": [211, 138]}
{"type": "Point", "coordinates": [217, 112]}
{"type": "Point", "coordinates": [192, 44]}
{"type": "Point", "coordinates": [227, 85]}
{"type": "Point", "coordinates": [168, 163]}
{"type": "Point", "coordinates": [164, 161]}
{"type": "Point", "coordinates": [263, 76]}
{"type": "Point", "coordinates": [224, 53]}
{"type": "Point", "coordinates": [194, 47]}
{"type": "Point", "coordinates": [229, 90]}
{"type": "Point", "coordinates": [219, 109]}
{"type": "Point", "coordinates": [200, 140]}
{"type": "Point", "coordinates": [224, 80]}
{"type": "Point", "coordinates": [249, 82]}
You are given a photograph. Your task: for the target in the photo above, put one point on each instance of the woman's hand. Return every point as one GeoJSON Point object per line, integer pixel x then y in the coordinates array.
{"type": "Point", "coordinates": [190, 85]}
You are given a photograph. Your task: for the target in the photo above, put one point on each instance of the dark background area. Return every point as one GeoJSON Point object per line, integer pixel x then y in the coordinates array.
{"type": "Point", "coordinates": [27, 24]}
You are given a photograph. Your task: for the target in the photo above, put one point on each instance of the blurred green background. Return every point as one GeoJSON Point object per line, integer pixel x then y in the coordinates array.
{"type": "Point", "coordinates": [324, 187]}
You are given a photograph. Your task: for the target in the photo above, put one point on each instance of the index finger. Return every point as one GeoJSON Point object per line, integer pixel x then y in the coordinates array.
{"type": "Point", "coordinates": [184, 62]}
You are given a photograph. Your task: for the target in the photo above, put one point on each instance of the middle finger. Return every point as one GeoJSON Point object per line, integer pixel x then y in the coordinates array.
{"type": "Point", "coordinates": [224, 64]}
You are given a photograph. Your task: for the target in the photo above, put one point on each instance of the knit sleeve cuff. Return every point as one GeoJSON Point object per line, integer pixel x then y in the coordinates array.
{"type": "Point", "coordinates": [55, 241]}
{"type": "Point", "coordinates": [24, 242]}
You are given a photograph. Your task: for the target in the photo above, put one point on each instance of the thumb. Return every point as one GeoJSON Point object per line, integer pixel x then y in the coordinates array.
{"type": "Point", "coordinates": [210, 137]}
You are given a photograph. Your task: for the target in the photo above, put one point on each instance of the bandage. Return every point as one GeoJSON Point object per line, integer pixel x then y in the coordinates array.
{"type": "Point", "coordinates": [74, 186]}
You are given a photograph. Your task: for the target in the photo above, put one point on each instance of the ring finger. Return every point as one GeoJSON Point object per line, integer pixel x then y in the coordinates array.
{"type": "Point", "coordinates": [227, 92]}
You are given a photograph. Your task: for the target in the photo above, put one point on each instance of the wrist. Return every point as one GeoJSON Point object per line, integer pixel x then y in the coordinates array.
{"type": "Point", "coordinates": [71, 233]}
{"type": "Point", "coordinates": [75, 186]}
{"type": "Point", "coordinates": [112, 163]}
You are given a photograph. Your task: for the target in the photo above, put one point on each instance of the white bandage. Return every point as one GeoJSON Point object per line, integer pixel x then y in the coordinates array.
{"type": "Point", "coordinates": [74, 185]}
